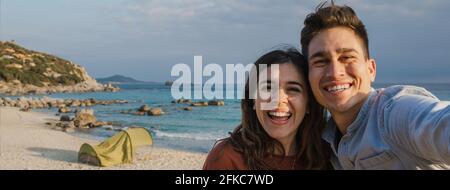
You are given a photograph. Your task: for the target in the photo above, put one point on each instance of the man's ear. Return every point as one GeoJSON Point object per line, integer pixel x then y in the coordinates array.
{"type": "Point", "coordinates": [372, 66]}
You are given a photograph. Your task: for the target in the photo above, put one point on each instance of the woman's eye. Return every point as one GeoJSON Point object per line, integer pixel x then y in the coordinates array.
{"type": "Point", "coordinates": [295, 90]}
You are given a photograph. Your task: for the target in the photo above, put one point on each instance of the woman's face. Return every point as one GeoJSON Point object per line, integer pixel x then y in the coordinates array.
{"type": "Point", "coordinates": [283, 120]}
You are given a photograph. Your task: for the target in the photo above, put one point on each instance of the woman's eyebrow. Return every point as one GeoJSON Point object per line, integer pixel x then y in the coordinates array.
{"type": "Point", "coordinates": [295, 83]}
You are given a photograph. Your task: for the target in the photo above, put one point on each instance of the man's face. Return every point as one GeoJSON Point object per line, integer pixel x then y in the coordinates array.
{"type": "Point", "coordinates": [339, 73]}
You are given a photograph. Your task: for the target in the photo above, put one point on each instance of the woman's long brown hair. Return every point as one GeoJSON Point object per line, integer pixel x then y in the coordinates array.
{"type": "Point", "coordinates": [250, 139]}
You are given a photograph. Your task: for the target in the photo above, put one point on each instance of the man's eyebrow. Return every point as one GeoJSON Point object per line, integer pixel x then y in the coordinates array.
{"type": "Point", "coordinates": [346, 50]}
{"type": "Point", "coordinates": [318, 54]}
{"type": "Point", "coordinates": [340, 50]}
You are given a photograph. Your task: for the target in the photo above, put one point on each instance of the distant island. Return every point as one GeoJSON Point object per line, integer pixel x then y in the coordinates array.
{"type": "Point", "coordinates": [25, 71]}
{"type": "Point", "coordinates": [118, 79]}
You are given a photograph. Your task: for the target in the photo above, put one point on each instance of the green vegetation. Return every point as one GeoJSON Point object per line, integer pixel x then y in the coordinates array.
{"type": "Point", "coordinates": [18, 63]}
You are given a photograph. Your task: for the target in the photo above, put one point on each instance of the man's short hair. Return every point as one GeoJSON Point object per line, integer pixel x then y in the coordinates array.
{"type": "Point", "coordinates": [326, 17]}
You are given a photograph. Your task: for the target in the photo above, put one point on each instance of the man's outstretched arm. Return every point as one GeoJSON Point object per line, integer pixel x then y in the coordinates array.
{"type": "Point", "coordinates": [420, 125]}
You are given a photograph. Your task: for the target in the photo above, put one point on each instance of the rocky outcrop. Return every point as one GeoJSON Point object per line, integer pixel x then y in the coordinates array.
{"type": "Point", "coordinates": [145, 110]}
{"type": "Point", "coordinates": [84, 118]}
{"type": "Point", "coordinates": [155, 112]}
{"type": "Point", "coordinates": [216, 103]}
{"type": "Point", "coordinates": [196, 104]}
{"type": "Point", "coordinates": [182, 101]}
{"type": "Point", "coordinates": [62, 105]}
{"type": "Point", "coordinates": [24, 71]}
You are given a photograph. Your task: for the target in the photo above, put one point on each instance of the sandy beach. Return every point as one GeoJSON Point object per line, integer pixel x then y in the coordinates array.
{"type": "Point", "coordinates": [28, 143]}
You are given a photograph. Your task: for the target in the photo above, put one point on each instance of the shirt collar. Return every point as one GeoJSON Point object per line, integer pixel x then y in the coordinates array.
{"type": "Point", "coordinates": [329, 133]}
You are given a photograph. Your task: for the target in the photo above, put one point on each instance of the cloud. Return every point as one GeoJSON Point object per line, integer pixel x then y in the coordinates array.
{"type": "Point", "coordinates": [166, 15]}
{"type": "Point", "coordinates": [403, 8]}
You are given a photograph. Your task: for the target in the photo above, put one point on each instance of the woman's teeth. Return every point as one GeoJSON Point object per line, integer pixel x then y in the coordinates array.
{"type": "Point", "coordinates": [279, 114]}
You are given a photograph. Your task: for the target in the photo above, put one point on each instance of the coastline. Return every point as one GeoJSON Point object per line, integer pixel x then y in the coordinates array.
{"type": "Point", "coordinates": [27, 143]}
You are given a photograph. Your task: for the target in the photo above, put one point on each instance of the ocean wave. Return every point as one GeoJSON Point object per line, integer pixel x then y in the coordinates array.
{"type": "Point", "coordinates": [194, 136]}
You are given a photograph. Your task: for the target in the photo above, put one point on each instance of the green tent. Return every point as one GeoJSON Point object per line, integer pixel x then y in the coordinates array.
{"type": "Point", "coordinates": [117, 149]}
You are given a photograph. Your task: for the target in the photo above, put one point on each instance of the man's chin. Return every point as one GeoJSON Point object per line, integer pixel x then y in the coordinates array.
{"type": "Point", "coordinates": [343, 107]}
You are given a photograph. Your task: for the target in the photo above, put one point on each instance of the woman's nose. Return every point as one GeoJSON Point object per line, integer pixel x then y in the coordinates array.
{"type": "Point", "coordinates": [282, 97]}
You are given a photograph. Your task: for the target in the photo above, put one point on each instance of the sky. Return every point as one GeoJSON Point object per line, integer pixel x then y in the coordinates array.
{"type": "Point", "coordinates": [144, 39]}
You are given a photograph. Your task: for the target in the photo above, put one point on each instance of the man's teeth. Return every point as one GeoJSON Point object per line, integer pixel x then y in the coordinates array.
{"type": "Point", "coordinates": [279, 114]}
{"type": "Point", "coordinates": [338, 88]}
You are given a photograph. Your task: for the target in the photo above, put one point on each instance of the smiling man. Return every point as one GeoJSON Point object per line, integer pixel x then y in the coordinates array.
{"type": "Point", "coordinates": [399, 127]}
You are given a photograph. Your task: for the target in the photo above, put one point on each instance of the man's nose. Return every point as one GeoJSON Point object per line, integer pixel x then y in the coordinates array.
{"type": "Point", "coordinates": [335, 69]}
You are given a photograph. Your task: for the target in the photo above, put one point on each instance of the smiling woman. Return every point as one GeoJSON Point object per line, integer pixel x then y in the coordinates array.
{"type": "Point", "coordinates": [288, 136]}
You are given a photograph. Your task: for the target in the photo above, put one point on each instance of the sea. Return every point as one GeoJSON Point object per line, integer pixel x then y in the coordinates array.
{"type": "Point", "coordinates": [195, 130]}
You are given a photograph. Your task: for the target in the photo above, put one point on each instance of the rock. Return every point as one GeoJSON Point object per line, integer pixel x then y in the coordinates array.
{"type": "Point", "coordinates": [75, 103]}
{"type": "Point", "coordinates": [69, 124]}
{"type": "Point", "coordinates": [25, 109]}
{"type": "Point", "coordinates": [22, 104]}
{"type": "Point", "coordinates": [144, 108]}
{"type": "Point", "coordinates": [155, 112]}
{"type": "Point", "coordinates": [17, 66]}
{"type": "Point", "coordinates": [100, 124]}
{"type": "Point", "coordinates": [16, 82]}
{"type": "Point", "coordinates": [187, 108]}
{"type": "Point", "coordinates": [216, 103]}
{"type": "Point", "coordinates": [53, 103]}
{"type": "Point", "coordinates": [84, 118]}
{"type": "Point", "coordinates": [181, 100]}
{"type": "Point", "coordinates": [199, 104]}
{"type": "Point", "coordinates": [64, 118]}
{"type": "Point", "coordinates": [64, 110]}
{"type": "Point", "coordinates": [110, 88]}
{"type": "Point", "coordinates": [66, 126]}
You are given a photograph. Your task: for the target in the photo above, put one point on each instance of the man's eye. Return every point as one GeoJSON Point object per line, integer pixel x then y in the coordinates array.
{"type": "Point", "coordinates": [347, 58]}
{"type": "Point", "coordinates": [319, 64]}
